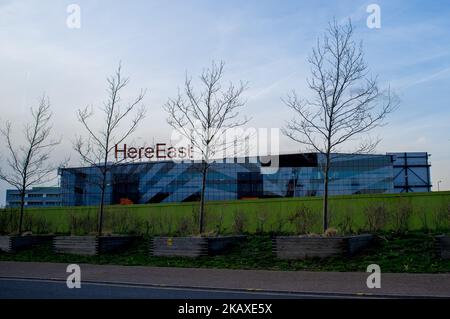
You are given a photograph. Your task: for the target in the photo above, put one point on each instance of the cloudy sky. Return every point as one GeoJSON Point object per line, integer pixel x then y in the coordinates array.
{"type": "Point", "coordinates": [265, 43]}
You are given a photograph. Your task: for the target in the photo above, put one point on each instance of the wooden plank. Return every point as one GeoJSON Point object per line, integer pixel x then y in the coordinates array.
{"type": "Point", "coordinates": [16, 243]}
{"type": "Point", "coordinates": [191, 246]}
{"type": "Point", "coordinates": [442, 246]}
{"type": "Point", "coordinates": [76, 245]}
{"type": "Point", "coordinates": [292, 247]}
{"type": "Point", "coordinates": [91, 245]}
{"type": "Point", "coordinates": [179, 246]}
{"type": "Point", "coordinates": [5, 243]}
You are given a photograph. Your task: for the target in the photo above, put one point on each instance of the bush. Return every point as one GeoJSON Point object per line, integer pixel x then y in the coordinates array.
{"type": "Point", "coordinates": [37, 224]}
{"type": "Point", "coordinates": [165, 225]}
{"type": "Point", "coordinates": [401, 215]}
{"type": "Point", "coordinates": [279, 223]}
{"type": "Point", "coordinates": [304, 220]}
{"type": "Point", "coordinates": [423, 216]}
{"type": "Point", "coordinates": [153, 225]}
{"type": "Point", "coordinates": [345, 222]}
{"type": "Point", "coordinates": [441, 217]}
{"type": "Point", "coordinates": [81, 224]}
{"type": "Point", "coordinates": [376, 217]}
{"type": "Point", "coordinates": [214, 223]}
{"type": "Point", "coordinates": [261, 220]}
{"type": "Point", "coordinates": [239, 222]}
{"type": "Point", "coordinates": [9, 221]}
{"type": "Point", "coordinates": [185, 226]}
{"type": "Point", "coordinates": [123, 222]}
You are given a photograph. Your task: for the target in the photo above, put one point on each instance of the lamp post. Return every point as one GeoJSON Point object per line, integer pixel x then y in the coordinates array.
{"type": "Point", "coordinates": [439, 182]}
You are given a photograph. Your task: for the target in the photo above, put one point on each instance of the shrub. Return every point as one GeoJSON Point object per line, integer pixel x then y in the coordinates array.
{"type": "Point", "coordinates": [424, 220]}
{"type": "Point", "coordinates": [166, 224]}
{"type": "Point", "coordinates": [184, 226]}
{"type": "Point", "coordinates": [239, 222]}
{"type": "Point", "coordinates": [158, 225]}
{"type": "Point", "coordinates": [150, 224]}
{"type": "Point", "coordinates": [345, 223]}
{"type": "Point", "coordinates": [216, 223]}
{"type": "Point", "coordinates": [37, 224]}
{"type": "Point", "coordinates": [376, 217]}
{"type": "Point", "coordinates": [82, 224]}
{"type": "Point", "coordinates": [401, 215]}
{"type": "Point", "coordinates": [9, 221]}
{"type": "Point", "coordinates": [124, 222]}
{"type": "Point", "coordinates": [304, 220]}
{"type": "Point", "coordinates": [277, 226]}
{"type": "Point", "coordinates": [261, 220]}
{"type": "Point", "coordinates": [441, 217]}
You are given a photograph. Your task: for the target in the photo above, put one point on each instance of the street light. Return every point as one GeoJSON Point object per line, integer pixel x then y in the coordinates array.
{"type": "Point", "coordinates": [440, 181]}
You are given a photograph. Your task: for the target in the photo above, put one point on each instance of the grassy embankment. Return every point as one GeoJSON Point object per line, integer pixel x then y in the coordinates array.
{"type": "Point", "coordinates": [411, 252]}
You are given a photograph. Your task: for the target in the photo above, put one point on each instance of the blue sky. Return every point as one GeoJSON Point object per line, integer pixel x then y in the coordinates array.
{"type": "Point", "coordinates": [263, 42]}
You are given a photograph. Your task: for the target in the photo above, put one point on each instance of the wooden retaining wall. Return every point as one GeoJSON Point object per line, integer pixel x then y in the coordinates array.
{"type": "Point", "coordinates": [297, 247]}
{"type": "Point", "coordinates": [442, 246]}
{"type": "Point", "coordinates": [90, 245]}
{"type": "Point", "coordinates": [77, 245]}
{"type": "Point", "coordinates": [15, 243]}
{"type": "Point", "coordinates": [191, 246]}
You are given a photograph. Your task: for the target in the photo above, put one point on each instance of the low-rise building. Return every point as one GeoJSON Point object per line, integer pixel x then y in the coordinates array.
{"type": "Point", "coordinates": [35, 197]}
{"type": "Point", "coordinates": [287, 175]}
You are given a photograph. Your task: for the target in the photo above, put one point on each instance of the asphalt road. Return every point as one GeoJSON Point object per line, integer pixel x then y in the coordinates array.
{"type": "Point", "coordinates": [48, 289]}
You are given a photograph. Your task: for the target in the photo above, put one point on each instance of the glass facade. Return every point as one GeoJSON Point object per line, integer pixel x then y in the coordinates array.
{"type": "Point", "coordinates": [296, 175]}
{"type": "Point", "coordinates": [411, 172]}
{"type": "Point", "coordinates": [35, 197]}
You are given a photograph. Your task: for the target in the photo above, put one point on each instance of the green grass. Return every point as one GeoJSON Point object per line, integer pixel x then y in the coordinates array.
{"type": "Point", "coordinates": [411, 253]}
{"type": "Point", "coordinates": [429, 211]}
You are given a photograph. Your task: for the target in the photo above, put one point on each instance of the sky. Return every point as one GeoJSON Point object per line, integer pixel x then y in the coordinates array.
{"type": "Point", "coordinates": [264, 43]}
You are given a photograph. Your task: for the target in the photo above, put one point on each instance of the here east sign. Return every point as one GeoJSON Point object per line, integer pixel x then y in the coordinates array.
{"type": "Point", "coordinates": [159, 152]}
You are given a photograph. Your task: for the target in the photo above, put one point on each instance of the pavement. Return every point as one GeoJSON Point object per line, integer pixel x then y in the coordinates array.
{"type": "Point", "coordinates": [333, 284]}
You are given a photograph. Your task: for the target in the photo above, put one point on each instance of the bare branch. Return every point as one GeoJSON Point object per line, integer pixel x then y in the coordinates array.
{"type": "Point", "coordinates": [205, 117]}
{"type": "Point", "coordinates": [347, 103]}
{"type": "Point", "coordinates": [28, 163]}
{"type": "Point", "coordinates": [97, 147]}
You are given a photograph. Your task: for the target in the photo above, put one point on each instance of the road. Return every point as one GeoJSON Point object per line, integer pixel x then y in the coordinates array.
{"type": "Point", "coordinates": [51, 289]}
{"type": "Point", "coordinates": [115, 281]}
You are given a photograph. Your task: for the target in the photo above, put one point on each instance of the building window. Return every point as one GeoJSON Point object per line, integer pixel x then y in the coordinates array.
{"type": "Point", "coordinates": [35, 203]}
{"type": "Point", "coordinates": [35, 195]}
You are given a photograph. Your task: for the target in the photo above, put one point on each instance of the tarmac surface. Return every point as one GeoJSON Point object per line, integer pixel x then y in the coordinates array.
{"type": "Point", "coordinates": [53, 289]}
{"type": "Point", "coordinates": [225, 283]}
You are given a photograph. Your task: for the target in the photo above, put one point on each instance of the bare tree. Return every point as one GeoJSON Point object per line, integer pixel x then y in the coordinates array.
{"type": "Point", "coordinates": [97, 148]}
{"type": "Point", "coordinates": [204, 118]}
{"type": "Point", "coordinates": [347, 102]}
{"type": "Point", "coordinates": [29, 163]}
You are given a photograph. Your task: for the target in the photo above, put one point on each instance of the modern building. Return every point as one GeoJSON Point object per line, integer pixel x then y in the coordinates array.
{"type": "Point", "coordinates": [411, 172]}
{"type": "Point", "coordinates": [290, 175]}
{"type": "Point", "coordinates": [35, 197]}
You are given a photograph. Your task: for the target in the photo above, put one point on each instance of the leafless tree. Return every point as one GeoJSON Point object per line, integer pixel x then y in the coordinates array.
{"type": "Point", "coordinates": [204, 118]}
{"type": "Point", "coordinates": [119, 122]}
{"type": "Point", "coordinates": [347, 102]}
{"type": "Point", "coordinates": [29, 163]}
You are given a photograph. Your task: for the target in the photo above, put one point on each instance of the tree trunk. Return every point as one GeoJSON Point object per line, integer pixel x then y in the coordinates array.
{"type": "Point", "coordinates": [202, 198]}
{"type": "Point", "coordinates": [325, 193]}
{"type": "Point", "coordinates": [22, 204]}
{"type": "Point", "coordinates": [100, 215]}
